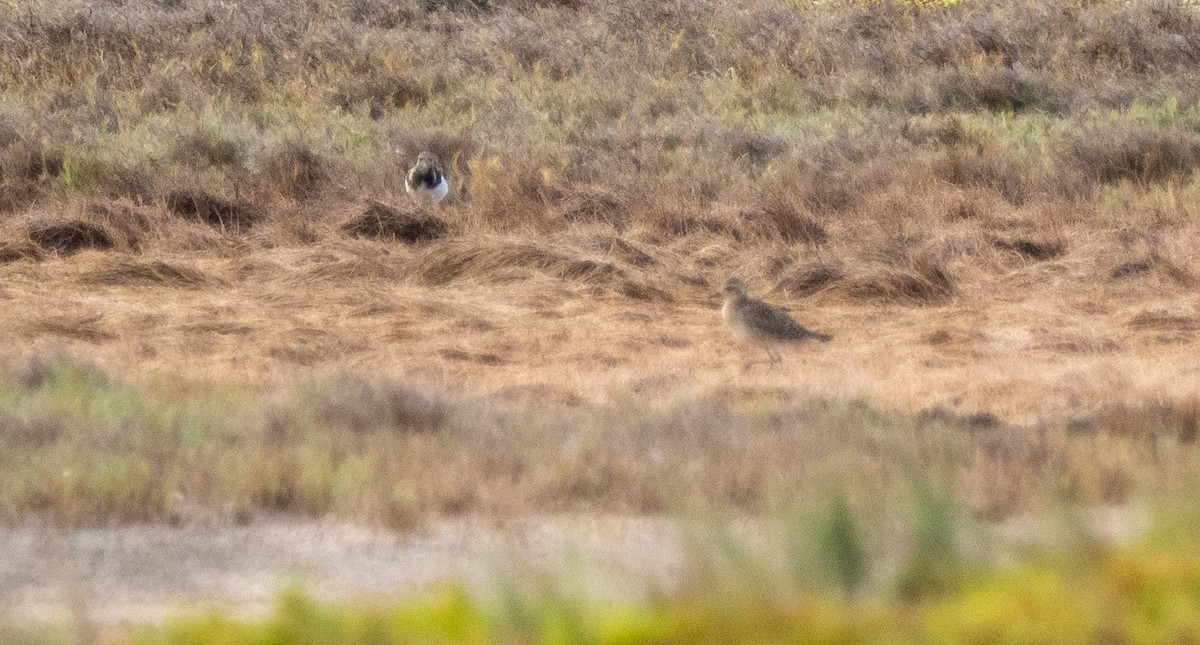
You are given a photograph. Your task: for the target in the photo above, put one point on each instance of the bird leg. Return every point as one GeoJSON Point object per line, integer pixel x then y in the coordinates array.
{"type": "Point", "coordinates": [750, 362]}
{"type": "Point", "coordinates": [773, 357]}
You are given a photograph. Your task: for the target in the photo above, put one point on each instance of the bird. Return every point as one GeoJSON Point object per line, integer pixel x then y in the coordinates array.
{"type": "Point", "coordinates": [758, 323]}
{"type": "Point", "coordinates": [425, 181]}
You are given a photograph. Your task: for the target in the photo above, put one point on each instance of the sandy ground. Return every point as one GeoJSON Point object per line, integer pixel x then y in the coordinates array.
{"type": "Point", "coordinates": [145, 573]}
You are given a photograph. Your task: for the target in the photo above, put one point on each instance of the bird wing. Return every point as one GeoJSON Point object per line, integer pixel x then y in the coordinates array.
{"type": "Point", "coordinates": [423, 177]}
{"type": "Point", "coordinates": [777, 320]}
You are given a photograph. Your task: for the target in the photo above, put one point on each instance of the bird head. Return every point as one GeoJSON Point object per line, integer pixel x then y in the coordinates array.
{"type": "Point", "coordinates": [735, 287]}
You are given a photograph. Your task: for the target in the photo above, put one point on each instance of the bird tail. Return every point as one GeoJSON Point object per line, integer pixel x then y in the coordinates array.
{"type": "Point", "coordinates": [824, 338]}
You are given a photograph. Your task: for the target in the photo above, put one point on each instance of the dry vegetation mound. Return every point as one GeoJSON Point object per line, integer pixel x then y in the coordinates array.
{"type": "Point", "coordinates": [596, 207]}
{"type": "Point", "coordinates": [296, 171]}
{"type": "Point", "coordinates": [383, 222]}
{"type": "Point", "coordinates": [220, 213]}
{"type": "Point", "coordinates": [493, 259]}
{"type": "Point", "coordinates": [1032, 249]}
{"type": "Point", "coordinates": [69, 236]}
{"type": "Point", "coordinates": [923, 282]}
{"type": "Point", "coordinates": [152, 273]}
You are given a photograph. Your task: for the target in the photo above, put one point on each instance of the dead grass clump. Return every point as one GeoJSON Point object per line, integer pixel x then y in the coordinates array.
{"type": "Point", "coordinates": [296, 171]}
{"type": "Point", "coordinates": [25, 168]}
{"type": "Point", "coordinates": [1032, 249]}
{"type": "Point", "coordinates": [595, 206]}
{"type": "Point", "coordinates": [1164, 320]}
{"type": "Point", "coordinates": [510, 192]}
{"type": "Point", "coordinates": [1155, 264]}
{"type": "Point", "coordinates": [1137, 153]}
{"type": "Point", "coordinates": [492, 259]}
{"type": "Point", "coordinates": [985, 166]}
{"type": "Point", "coordinates": [458, 6]}
{"type": "Point", "coordinates": [90, 327]}
{"type": "Point", "coordinates": [482, 358]}
{"type": "Point", "coordinates": [994, 89]}
{"type": "Point", "coordinates": [128, 224]}
{"type": "Point", "coordinates": [379, 95]}
{"type": "Point", "coordinates": [1142, 37]}
{"type": "Point", "coordinates": [754, 148]}
{"type": "Point", "coordinates": [618, 248]}
{"type": "Point", "coordinates": [676, 221]}
{"type": "Point", "coordinates": [780, 219]}
{"type": "Point", "coordinates": [30, 161]}
{"type": "Point", "coordinates": [132, 183]}
{"type": "Point", "coordinates": [810, 278]}
{"type": "Point", "coordinates": [154, 273]}
{"type": "Point", "coordinates": [935, 129]}
{"type": "Point", "coordinates": [16, 251]}
{"type": "Point", "coordinates": [922, 282]}
{"type": "Point", "coordinates": [539, 393]}
{"type": "Point", "coordinates": [70, 236]}
{"type": "Point", "coordinates": [382, 222]}
{"type": "Point", "coordinates": [218, 212]}
{"type": "Point", "coordinates": [825, 191]}
{"type": "Point", "coordinates": [364, 406]}
{"type": "Point", "coordinates": [17, 195]}
{"type": "Point", "coordinates": [206, 148]}
{"type": "Point", "coordinates": [1178, 421]}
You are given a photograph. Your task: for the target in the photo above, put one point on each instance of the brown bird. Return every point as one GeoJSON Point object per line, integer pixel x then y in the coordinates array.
{"type": "Point", "coordinates": [757, 323]}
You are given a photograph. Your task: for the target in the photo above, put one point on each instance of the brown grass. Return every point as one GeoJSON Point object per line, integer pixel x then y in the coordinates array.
{"type": "Point", "coordinates": [218, 212]}
{"type": "Point", "coordinates": [70, 236]}
{"type": "Point", "coordinates": [992, 206]}
{"type": "Point", "coordinates": [388, 453]}
{"type": "Point", "coordinates": [382, 222]}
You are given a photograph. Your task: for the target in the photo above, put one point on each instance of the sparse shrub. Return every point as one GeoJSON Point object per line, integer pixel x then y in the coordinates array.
{"type": "Point", "coordinates": [206, 147]}
{"type": "Point", "coordinates": [296, 171]}
{"type": "Point", "coordinates": [811, 278]}
{"type": "Point", "coordinates": [778, 218]}
{"type": "Point", "coordinates": [381, 14]}
{"type": "Point", "coordinates": [918, 282]}
{"type": "Point", "coordinates": [937, 129]}
{"type": "Point", "coordinates": [31, 161]}
{"type": "Point", "coordinates": [986, 167]}
{"type": "Point", "coordinates": [1136, 153]}
{"type": "Point", "coordinates": [596, 206]}
{"type": "Point", "coordinates": [365, 406]}
{"type": "Point", "coordinates": [381, 95]}
{"type": "Point", "coordinates": [993, 89]}
{"type": "Point", "coordinates": [670, 222]}
{"type": "Point", "coordinates": [755, 148]}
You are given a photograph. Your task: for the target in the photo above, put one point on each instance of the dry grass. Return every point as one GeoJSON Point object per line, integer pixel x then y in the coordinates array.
{"type": "Point", "coordinates": [77, 447]}
{"type": "Point", "coordinates": [992, 206]}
